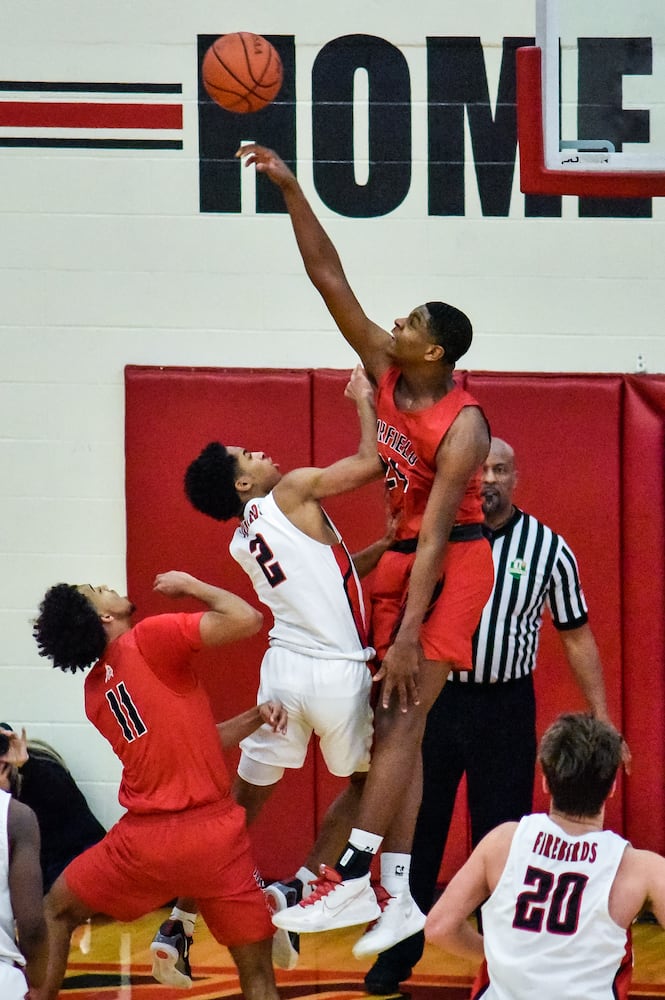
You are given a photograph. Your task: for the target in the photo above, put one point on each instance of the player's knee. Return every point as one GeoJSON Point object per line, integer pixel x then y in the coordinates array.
{"type": "Point", "coordinates": [63, 907]}
{"type": "Point", "coordinates": [392, 726]}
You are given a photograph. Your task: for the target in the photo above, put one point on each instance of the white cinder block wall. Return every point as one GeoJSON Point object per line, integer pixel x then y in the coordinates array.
{"type": "Point", "coordinates": [105, 261]}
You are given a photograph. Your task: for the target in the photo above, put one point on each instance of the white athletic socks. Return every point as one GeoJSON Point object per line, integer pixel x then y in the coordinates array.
{"type": "Point", "coordinates": [395, 872]}
{"type": "Point", "coordinates": [363, 840]}
{"type": "Point", "coordinates": [357, 856]}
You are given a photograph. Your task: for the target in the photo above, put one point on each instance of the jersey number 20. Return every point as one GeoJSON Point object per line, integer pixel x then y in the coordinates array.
{"type": "Point", "coordinates": [556, 905]}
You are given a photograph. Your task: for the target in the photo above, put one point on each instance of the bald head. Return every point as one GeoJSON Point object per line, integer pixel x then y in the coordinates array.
{"type": "Point", "coordinates": [498, 483]}
{"type": "Point", "coordinates": [501, 451]}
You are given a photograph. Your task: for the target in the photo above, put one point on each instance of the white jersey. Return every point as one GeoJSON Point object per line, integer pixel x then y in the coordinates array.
{"type": "Point", "coordinates": [547, 928]}
{"type": "Point", "coordinates": [8, 949]}
{"type": "Point", "coordinates": [310, 587]}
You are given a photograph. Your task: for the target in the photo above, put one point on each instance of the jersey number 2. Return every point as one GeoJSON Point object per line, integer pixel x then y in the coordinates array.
{"type": "Point", "coordinates": [561, 902]}
{"type": "Point", "coordinates": [264, 556]}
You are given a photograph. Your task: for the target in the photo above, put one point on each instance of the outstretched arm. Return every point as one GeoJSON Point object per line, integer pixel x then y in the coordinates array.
{"type": "Point", "coordinates": [232, 731]}
{"type": "Point", "coordinates": [322, 263]}
{"type": "Point", "coordinates": [230, 617]}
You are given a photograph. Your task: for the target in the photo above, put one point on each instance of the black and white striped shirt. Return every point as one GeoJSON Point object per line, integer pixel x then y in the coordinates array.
{"type": "Point", "coordinates": [533, 569]}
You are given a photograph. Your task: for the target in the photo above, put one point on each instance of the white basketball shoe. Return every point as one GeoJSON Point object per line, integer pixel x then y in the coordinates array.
{"type": "Point", "coordinates": [334, 902]}
{"type": "Point", "coordinates": [400, 918]}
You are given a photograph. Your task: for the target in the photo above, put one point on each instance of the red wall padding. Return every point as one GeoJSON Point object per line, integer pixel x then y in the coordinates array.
{"type": "Point", "coordinates": [643, 619]}
{"type": "Point", "coordinates": [589, 450]}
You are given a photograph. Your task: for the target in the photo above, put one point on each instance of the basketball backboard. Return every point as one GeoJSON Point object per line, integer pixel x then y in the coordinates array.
{"type": "Point", "coordinates": [591, 99]}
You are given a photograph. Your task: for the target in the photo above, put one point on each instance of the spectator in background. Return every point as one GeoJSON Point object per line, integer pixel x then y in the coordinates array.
{"type": "Point", "coordinates": [484, 723]}
{"type": "Point", "coordinates": [66, 823]}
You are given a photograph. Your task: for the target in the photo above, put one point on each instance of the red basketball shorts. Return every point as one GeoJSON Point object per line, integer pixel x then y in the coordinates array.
{"type": "Point", "coordinates": [452, 618]}
{"type": "Point", "coordinates": [143, 862]}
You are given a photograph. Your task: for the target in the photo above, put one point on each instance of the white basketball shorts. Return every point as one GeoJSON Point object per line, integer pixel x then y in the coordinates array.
{"type": "Point", "coordinates": [326, 697]}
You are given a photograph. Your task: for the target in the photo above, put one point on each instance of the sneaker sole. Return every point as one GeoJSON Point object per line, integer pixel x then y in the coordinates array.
{"type": "Point", "coordinates": [285, 953]}
{"type": "Point", "coordinates": [373, 942]}
{"type": "Point", "coordinates": [164, 971]}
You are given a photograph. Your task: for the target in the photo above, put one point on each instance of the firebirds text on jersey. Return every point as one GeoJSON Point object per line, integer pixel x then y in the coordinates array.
{"type": "Point", "coordinates": [558, 849]}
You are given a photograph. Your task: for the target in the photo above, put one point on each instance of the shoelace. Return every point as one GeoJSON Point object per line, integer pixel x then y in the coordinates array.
{"type": "Point", "coordinates": [383, 897]}
{"type": "Point", "coordinates": [328, 880]}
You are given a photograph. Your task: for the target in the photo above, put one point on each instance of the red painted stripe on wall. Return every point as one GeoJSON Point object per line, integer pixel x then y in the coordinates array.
{"type": "Point", "coordinates": [89, 114]}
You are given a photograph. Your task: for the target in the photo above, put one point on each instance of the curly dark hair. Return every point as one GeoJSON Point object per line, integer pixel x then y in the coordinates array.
{"type": "Point", "coordinates": [68, 630]}
{"type": "Point", "coordinates": [451, 328]}
{"type": "Point", "coordinates": [210, 483]}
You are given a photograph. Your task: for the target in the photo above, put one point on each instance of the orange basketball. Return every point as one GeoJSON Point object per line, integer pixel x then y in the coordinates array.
{"type": "Point", "coordinates": [242, 72]}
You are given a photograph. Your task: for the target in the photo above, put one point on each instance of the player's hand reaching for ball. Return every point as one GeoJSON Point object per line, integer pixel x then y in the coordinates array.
{"type": "Point", "coordinates": [266, 162]}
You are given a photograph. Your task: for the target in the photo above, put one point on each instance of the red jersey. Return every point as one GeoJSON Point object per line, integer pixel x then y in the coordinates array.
{"type": "Point", "coordinates": [407, 445]}
{"type": "Point", "coordinates": [144, 698]}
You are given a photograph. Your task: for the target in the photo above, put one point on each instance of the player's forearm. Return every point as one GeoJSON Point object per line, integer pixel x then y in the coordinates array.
{"type": "Point", "coordinates": [33, 941]}
{"type": "Point", "coordinates": [316, 248]}
{"type": "Point", "coordinates": [584, 661]}
{"type": "Point", "coordinates": [367, 421]}
{"type": "Point", "coordinates": [59, 935]}
{"type": "Point", "coordinates": [228, 619]}
{"type": "Point", "coordinates": [459, 939]}
{"type": "Point", "coordinates": [424, 576]}
{"type": "Point", "coordinates": [367, 558]}
{"type": "Point", "coordinates": [466, 943]}
{"type": "Point", "coordinates": [232, 731]}
{"type": "Point", "coordinates": [366, 465]}
{"type": "Point", "coordinates": [222, 602]}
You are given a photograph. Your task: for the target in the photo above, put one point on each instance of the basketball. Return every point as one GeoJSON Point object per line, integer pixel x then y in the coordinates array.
{"type": "Point", "coordinates": [242, 72]}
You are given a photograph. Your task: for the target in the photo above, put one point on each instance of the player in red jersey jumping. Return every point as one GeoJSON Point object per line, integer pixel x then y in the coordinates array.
{"type": "Point", "coordinates": [431, 585]}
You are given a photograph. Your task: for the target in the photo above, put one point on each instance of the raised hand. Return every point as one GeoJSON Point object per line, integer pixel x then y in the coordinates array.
{"type": "Point", "coordinates": [266, 162]}
{"type": "Point", "coordinates": [359, 386]}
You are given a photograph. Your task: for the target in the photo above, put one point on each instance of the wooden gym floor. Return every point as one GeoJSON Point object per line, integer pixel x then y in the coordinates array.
{"type": "Point", "coordinates": [111, 961]}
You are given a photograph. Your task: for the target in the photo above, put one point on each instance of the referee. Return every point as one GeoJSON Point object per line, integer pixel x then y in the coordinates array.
{"type": "Point", "coordinates": [483, 724]}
